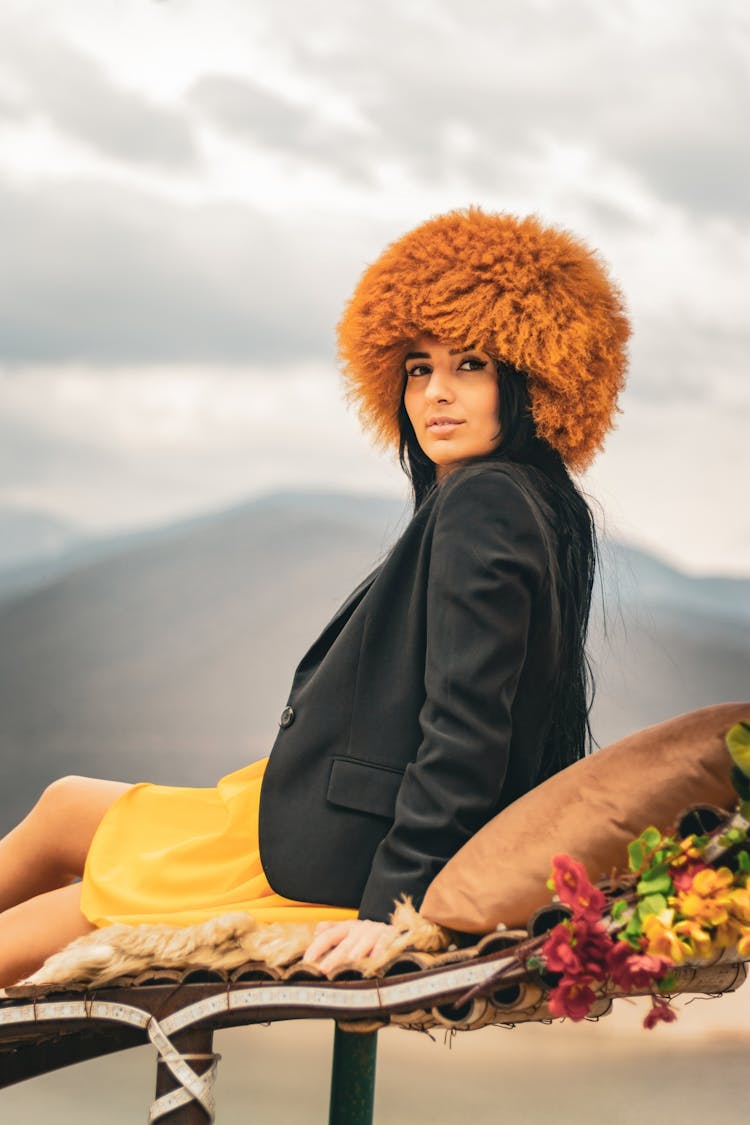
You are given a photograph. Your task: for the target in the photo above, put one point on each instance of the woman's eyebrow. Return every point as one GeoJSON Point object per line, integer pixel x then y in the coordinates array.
{"type": "Point", "coordinates": [426, 355]}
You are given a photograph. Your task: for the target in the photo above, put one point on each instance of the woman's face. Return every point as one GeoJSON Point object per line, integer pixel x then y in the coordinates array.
{"type": "Point", "coordinates": [452, 399]}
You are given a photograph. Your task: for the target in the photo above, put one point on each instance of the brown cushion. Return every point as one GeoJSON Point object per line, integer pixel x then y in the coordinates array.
{"type": "Point", "coordinates": [591, 811]}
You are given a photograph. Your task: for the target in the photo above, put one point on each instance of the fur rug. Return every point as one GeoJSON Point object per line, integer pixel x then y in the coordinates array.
{"type": "Point", "coordinates": [224, 942]}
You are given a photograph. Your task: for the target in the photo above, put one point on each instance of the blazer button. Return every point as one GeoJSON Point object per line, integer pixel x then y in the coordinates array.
{"type": "Point", "coordinates": [287, 717]}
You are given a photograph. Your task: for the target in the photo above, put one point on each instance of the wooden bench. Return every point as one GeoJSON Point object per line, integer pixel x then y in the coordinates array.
{"type": "Point", "coordinates": [178, 1012]}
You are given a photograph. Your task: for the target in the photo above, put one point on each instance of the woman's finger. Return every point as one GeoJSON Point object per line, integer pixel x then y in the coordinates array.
{"type": "Point", "coordinates": [359, 943]}
{"type": "Point", "coordinates": [341, 955]}
{"type": "Point", "coordinates": [364, 943]}
{"type": "Point", "coordinates": [361, 949]}
{"type": "Point", "coordinates": [354, 947]}
{"type": "Point", "coordinates": [342, 942]}
{"type": "Point", "coordinates": [324, 941]}
{"type": "Point", "coordinates": [320, 926]}
{"type": "Point", "coordinates": [382, 946]}
{"type": "Point", "coordinates": [335, 933]}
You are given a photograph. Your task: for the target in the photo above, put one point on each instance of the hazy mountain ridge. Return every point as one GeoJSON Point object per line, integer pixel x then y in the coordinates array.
{"type": "Point", "coordinates": [637, 576]}
{"type": "Point", "coordinates": [28, 561]}
{"type": "Point", "coordinates": [170, 656]}
{"type": "Point", "coordinates": [29, 537]}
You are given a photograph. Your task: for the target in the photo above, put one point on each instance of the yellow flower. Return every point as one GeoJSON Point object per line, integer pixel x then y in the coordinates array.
{"type": "Point", "coordinates": [740, 903]}
{"type": "Point", "coordinates": [700, 941]}
{"type": "Point", "coordinates": [662, 939]}
{"type": "Point", "coordinates": [709, 897]}
{"type": "Point", "coordinates": [687, 851]}
{"type": "Point", "coordinates": [743, 945]}
{"type": "Point", "coordinates": [727, 935]}
{"type": "Point", "coordinates": [712, 882]}
{"type": "Point", "coordinates": [705, 910]}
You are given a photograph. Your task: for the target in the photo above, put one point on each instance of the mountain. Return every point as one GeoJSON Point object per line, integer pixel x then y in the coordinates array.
{"type": "Point", "coordinates": [168, 655]}
{"type": "Point", "coordinates": [31, 539]}
{"type": "Point", "coordinates": [638, 577]}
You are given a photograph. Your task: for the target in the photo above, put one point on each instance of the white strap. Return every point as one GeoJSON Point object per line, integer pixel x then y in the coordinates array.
{"type": "Point", "coordinates": [196, 1086]}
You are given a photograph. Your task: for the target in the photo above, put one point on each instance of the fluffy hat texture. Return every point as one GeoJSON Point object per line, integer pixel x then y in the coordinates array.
{"type": "Point", "coordinates": [532, 296]}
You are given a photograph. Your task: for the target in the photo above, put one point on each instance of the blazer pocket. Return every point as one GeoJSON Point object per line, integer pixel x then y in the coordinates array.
{"type": "Point", "coordinates": [364, 786]}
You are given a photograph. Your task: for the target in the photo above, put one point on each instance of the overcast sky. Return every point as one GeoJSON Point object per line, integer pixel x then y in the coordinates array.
{"type": "Point", "coordinates": [189, 190]}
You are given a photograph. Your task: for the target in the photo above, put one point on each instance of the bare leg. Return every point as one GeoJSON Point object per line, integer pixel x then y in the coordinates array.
{"type": "Point", "coordinates": [48, 849]}
{"type": "Point", "coordinates": [31, 932]}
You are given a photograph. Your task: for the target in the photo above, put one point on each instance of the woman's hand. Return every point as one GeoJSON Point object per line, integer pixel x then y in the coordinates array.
{"type": "Point", "coordinates": [338, 943]}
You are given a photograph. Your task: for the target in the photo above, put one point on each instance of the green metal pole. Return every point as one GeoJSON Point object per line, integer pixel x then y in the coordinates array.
{"type": "Point", "coordinates": [353, 1077]}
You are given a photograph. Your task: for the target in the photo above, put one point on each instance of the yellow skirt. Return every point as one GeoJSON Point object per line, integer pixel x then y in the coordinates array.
{"type": "Point", "coordinates": [179, 855]}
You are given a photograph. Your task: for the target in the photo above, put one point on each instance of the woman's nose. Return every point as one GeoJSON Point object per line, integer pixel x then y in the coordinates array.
{"type": "Point", "coordinates": [438, 388]}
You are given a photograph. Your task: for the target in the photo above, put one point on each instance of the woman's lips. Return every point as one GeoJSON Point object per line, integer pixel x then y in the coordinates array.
{"type": "Point", "coordinates": [443, 427]}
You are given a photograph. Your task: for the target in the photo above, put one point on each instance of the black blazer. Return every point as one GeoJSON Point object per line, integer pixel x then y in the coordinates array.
{"type": "Point", "coordinates": [421, 709]}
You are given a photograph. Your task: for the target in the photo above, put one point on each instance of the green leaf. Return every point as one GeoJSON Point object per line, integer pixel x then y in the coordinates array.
{"type": "Point", "coordinates": [741, 783]}
{"type": "Point", "coordinates": [668, 983]}
{"type": "Point", "coordinates": [738, 745]}
{"type": "Point", "coordinates": [632, 934]}
{"type": "Point", "coordinates": [651, 838]}
{"type": "Point", "coordinates": [633, 931]}
{"type": "Point", "coordinates": [743, 859]}
{"type": "Point", "coordinates": [652, 904]}
{"type": "Point", "coordinates": [732, 836]}
{"type": "Point", "coordinates": [635, 855]}
{"type": "Point", "coordinates": [620, 906]}
{"type": "Point", "coordinates": [655, 885]}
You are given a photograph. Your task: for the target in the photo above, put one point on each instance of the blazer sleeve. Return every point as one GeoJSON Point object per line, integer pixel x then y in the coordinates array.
{"type": "Point", "coordinates": [488, 563]}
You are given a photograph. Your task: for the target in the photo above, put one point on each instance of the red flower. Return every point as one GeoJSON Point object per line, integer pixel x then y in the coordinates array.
{"type": "Point", "coordinates": [660, 1012]}
{"type": "Point", "coordinates": [593, 945]}
{"type": "Point", "coordinates": [630, 970]}
{"type": "Point", "coordinates": [572, 998]}
{"type": "Point", "coordinates": [682, 877]}
{"type": "Point", "coordinates": [579, 949]}
{"type": "Point", "coordinates": [574, 888]}
{"type": "Point", "coordinates": [558, 952]}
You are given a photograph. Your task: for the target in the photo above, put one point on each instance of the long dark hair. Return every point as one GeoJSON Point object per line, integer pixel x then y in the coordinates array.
{"type": "Point", "coordinates": [575, 557]}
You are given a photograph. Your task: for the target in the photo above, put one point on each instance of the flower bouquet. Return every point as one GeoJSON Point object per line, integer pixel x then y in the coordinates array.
{"type": "Point", "coordinates": [685, 898]}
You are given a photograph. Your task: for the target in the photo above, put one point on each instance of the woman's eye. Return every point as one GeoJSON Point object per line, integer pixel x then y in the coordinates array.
{"type": "Point", "coordinates": [418, 369]}
{"type": "Point", "coordinates": [475, 364]}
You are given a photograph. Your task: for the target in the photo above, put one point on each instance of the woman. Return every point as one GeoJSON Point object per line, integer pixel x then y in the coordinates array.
{"type": "Point", "coordinates": [491, 349]}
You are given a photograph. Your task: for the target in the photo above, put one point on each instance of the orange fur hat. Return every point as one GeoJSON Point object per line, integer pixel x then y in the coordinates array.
{"type": "Point", "coordinates": [530, 295]}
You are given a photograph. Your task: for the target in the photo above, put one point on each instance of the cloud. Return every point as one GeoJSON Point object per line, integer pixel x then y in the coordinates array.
{"type": "Point", "coordinates": [409, 104]}
{"type": "Point", "coordinates": [148, 445]}
{"type": "Point", "coordinates": [692, 359]}
{"type": "Point", "coordinates": [119, 276]}
{"type": "Point", "coordinates": [660, 93]}
{"type": "Point", "coordinates": [260, 117]}
{"type": "Point", "coordinates": [116, 276]}
{"type": "Point", "coordinates": [481, 93]}
{"type": "Point", "coordinates": [69, 88]}
{"type": "Point", "coordinates": [213, 200]}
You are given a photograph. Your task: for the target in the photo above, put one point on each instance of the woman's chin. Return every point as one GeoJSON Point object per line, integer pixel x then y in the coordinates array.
{"type": "Point", "coordinates": [446, 459]}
